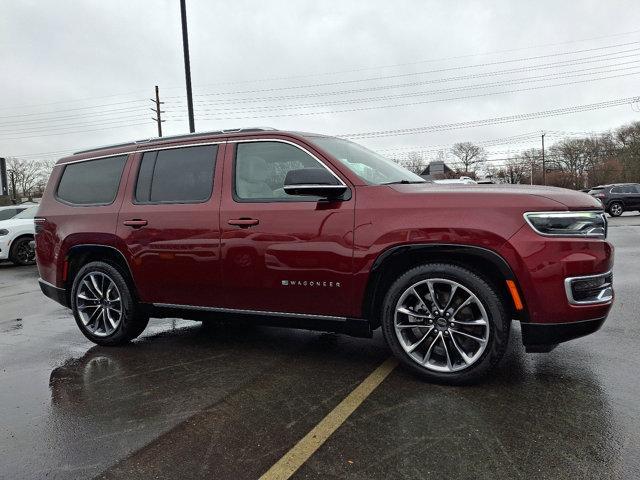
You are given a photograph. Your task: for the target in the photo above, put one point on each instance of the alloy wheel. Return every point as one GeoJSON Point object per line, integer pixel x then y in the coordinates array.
{"type": "Point", "coordinates": [99, 304]}
{"type": "Point", "coordinates": [25, 253]}
{"type": "Point", "coordinates": [616, 209]}
{"type": "Point", "coordinates": [441, 325]}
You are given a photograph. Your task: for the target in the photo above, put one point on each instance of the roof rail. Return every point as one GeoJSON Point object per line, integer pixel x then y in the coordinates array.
{"type": "Point", "coordinates": [176, 137]}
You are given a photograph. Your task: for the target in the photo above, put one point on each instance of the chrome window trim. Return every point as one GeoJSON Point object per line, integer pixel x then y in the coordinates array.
{"type": "Point", "coordinates": [302, 186]}
{"type": "Point", "coordinates": [573, 301]}
{"type": "Point", "coordinates": [249, 312]}
{"type": "Point", "coordinates": [280, 140]}
{"type": "Point", "coordinates": [567, 213]}
{"type": "Point", "coordinates": [140, 150]}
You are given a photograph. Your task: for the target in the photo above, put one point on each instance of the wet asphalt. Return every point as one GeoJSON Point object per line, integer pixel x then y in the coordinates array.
{"type": "Point", "coordinates": [227, 401]}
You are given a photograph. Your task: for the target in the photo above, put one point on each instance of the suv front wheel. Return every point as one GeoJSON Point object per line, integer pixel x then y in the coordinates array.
{"type": "Point", "coordinates": [104, 307]}
{"type": "Point", "coordinates": [446, 323]}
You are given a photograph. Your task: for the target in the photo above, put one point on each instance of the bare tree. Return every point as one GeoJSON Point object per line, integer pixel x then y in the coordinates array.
{"type": "Point", "coordinates": [470, 156]}
{"type": "Point", "coordinates": [414, 162]}
{"type": "Point", "coordinates": [27, 177]}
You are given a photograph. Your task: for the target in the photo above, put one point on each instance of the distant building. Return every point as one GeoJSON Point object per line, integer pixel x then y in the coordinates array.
{"type": "Point", "coordinates": [436, 170]}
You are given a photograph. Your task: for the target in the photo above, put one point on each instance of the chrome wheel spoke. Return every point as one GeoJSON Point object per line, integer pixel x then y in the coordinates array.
{"type": "Point", "coordinates": [472, 323]}
{"type": "Point", "coordinates": [454, 289]}
{"type": "Point", "coordinates": [466, 303]}
{"type": "Point", "coordinates": [412, 347]}
{"type": "Point", "coordinates": [94, 283]}
{"type": "Point", "coordinates": [465, 358]}
{"type": "Point", "coordinates": [446, 352]}
{"type": "Point", "coordinates": [406, 311]}
{"type": "Point", "coordinates": [433, 294]}
{"type": "Point", "coordinates": [477, 339]}
{"type": "Point", "coordinates": [427, 355]}
{"type": "Point", "coordinates": [413, 290]}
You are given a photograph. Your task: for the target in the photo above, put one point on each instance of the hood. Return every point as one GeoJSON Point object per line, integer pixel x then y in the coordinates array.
{"type": "Point", "coordinates": [551, 197]}
{"type": "Point", "coordinates": [16, 222]}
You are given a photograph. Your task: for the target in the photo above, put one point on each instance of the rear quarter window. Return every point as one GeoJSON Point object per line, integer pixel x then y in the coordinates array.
{"type": "Point", "coordinates": [94, 182]}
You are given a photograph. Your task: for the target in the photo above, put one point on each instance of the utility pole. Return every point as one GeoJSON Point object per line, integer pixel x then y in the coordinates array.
{"type": "Point", "coordinates": [187, 64]}
{"type": "Point", "coordinates": [544, 165]}
{"type": "Point", "coordinates": [14, 197]}
{"type": "Point", "coordinates": [532, 162]}
{"type": "Point", "coordinates": [159, 112]}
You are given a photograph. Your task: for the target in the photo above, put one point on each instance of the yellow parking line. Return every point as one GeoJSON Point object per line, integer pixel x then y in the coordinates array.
{"type": "Point", "coordinates": [312, 441]}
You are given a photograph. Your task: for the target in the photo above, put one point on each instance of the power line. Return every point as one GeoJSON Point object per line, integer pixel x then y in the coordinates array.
{"type": "Point", "coordinates": [409, 104]}
{"type": "Point", "coordinates": [516, 81]}
{"type": "Point", "coordinates": [403, 75]}
{"type": "Point", "coordinates": [417, 62]}
{"type": "Point", "coordinates": [493, 120]}
{"type": "Point", "coordinates": [540, 66]}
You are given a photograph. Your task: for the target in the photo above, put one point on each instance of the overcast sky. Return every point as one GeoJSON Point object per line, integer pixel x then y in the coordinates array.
{"type": "Point", "coordinates": [314, 66]}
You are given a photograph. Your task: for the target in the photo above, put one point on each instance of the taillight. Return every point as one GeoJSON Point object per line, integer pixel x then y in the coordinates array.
{"type": "Point", "coordinates": [39, 224]}
{"type": "Point", "coordinates": [599, 195]}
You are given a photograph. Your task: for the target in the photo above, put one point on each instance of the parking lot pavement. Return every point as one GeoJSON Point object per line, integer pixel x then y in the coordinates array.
{"type": "Point", "coordinates": [186, 401]}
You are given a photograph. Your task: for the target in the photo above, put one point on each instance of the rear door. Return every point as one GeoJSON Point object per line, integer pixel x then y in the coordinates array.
{"type": "Point", "coordinates": [282, 253]}
{"type": "Point", "coordinates": [169, 224]}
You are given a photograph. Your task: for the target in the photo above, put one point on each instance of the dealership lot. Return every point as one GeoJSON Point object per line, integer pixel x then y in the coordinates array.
{"type": "Point", "coordinates": [186, 401]}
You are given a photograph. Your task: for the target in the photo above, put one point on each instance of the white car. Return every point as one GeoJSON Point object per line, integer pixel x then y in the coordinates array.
{"type": "Point", "coordinates": [16, 237]}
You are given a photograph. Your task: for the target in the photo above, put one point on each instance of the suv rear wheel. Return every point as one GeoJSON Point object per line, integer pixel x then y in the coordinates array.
{"type": "Point", "coordinates": [446, 323]}
{"type": "Point", "coordinates": [615, 209]}
{"type": "Point", "coordinates": [22, 252]}
{"type": "Point", "coordinates": [104, 307]}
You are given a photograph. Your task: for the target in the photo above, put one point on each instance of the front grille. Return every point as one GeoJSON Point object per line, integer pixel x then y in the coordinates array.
{"type": "Point", "coordinates": [590, 289]}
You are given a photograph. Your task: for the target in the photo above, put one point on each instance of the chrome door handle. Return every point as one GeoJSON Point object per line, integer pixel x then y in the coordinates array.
{"type": "Point", "coordinates": [135, 223]}
{"type": "Point", "coordinates": [244, 222]}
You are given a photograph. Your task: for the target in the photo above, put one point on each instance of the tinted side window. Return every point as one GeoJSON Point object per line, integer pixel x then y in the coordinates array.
{"type": "Point", "coordinates": [8, 213]}
{"type": "Point", "coordinates": [94, 182]}
{"type": "Point", "coordinates": [179, 175]}
{"type": "Point", "coordinates": [616, 189]}
{"type": "Point", "coordinates": [261, 167]}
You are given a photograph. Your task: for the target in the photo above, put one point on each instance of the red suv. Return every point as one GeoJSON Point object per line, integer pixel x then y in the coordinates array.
{"type": "Point", "coordinates": [305, 230]}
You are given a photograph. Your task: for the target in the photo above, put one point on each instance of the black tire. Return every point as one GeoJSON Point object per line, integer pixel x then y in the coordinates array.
{"type": "Point", "coordinates": [132, 322]}
{"type": "Point", "coordinates": [22, 253]}
{"type": "Point", "coordinates": [499, 323]}
{"type": "Point", "coordinates": [615, 209]}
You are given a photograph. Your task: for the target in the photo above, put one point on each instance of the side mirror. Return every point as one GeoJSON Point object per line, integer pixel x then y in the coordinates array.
{"type": "Point", "coordinates": [317, 182]}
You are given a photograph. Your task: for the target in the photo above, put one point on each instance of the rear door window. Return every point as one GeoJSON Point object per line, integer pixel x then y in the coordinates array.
{"type": "Point", "coordinates": [94, 182]}
{"type": "Point", "coordinates": [179, 175]}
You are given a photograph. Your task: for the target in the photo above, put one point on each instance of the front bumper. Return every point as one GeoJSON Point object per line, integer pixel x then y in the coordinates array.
{"type": "Point", "coordinates": [4, 248]}
{"type": "Point", "coordinates": [541, 337]}
{"type": "Point", "coordinates": [55, 293]}
{"type": "Point", "coordinates": [566, 283]}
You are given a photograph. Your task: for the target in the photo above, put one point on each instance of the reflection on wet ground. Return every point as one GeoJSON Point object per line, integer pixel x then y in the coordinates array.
{"type": "Point", "coordinates": [227, 401]}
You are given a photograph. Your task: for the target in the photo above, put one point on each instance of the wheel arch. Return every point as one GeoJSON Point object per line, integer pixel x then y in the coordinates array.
{"type": "Point", "coordinates": [81, 254]}
{"type": "Point", "coordinates": [19, 236]}
{"type": "Point", "coordinates": [391, 263]}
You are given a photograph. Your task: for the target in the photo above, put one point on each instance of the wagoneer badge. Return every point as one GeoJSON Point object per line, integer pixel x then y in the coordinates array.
{"type": "Point", "coordinates": [310, 283]}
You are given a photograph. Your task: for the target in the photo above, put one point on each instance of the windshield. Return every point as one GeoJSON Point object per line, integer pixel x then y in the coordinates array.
{"type": "Point", "coordinates": [368, 165]}
{"type": "Point", "coordinates": [28, 213]}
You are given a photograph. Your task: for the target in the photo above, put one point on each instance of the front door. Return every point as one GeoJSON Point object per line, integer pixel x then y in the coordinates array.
{"type": "Point", "coordinates": [169, 224]}
{"type": "Point", "coordinates": [282, 253]}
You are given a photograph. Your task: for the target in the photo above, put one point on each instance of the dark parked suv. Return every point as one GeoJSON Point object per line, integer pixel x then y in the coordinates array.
{"type": "Point", "coordinates": [618, 198]}
{"type": "Point", "coordinates": [304, 230]}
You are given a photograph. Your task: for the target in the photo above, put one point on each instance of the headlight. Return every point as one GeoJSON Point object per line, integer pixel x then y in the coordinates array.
{"type": "Point", "coordinates": [568, 224]}
{"type": "Point", "coordinates": [4, 231]}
